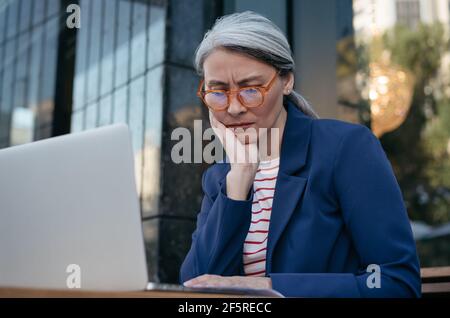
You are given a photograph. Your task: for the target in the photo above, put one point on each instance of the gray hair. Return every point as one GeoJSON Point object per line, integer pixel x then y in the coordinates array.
{"type": "Point", "coordinates": [256, 36]}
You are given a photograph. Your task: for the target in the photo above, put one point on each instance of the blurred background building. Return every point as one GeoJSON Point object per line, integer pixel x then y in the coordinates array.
{"type": "Point", "coordinates": [383, 63]}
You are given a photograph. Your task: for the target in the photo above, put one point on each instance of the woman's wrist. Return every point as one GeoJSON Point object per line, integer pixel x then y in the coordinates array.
{"type": "Point", "coordinates": [239, 182]}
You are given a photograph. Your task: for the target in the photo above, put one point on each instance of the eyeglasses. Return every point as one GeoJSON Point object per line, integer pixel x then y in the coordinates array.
{"type": "Point", "coordinates": [249, 96]}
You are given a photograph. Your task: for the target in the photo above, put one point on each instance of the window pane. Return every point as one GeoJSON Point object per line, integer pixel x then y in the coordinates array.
{"type": "Point", "coordinates": [120, 105]}
{"type": "Point", "coordinates": [21, 71]}
{"type": "Point", "coordinates": [156, 35]}
{"type": "Point", "coordinates": [105, 110]}
{"type": "Point", "coordinates": [53, 7]}
{"type": "Point", "coordinates": [152, 142]}
{"type": "Point", "coordinates": [8, 79]}
{"type": "Point", "coordinates": [42, 132]}
{"type": "Point", "coordinates": [35, 66]}
{"type": "Point", "coordinates": [94, 51]}
{"type": "Point", "coordinates": [77, 123]}
{"type": "Point", "coordinates": [38, 11]}
{"type": "Point", "coordinates": [3, 20]}
{"type": "Point", "coordinates": [22, 126]}
{"type": "Point", "coordinates": [153, 104]}
{"type": "Point", "coordinates": [81, 58]}
{"type": "Point", "coordinates": [136, 106]}
{"type": "Point", "coordinates": [122, 48]}
{"type": "Point", "coordinates": [25, 14]}
{"type": "Point", "coordinates": [50, 59]}
{"type": "Point", "coordinates": [91, 116]}
{"type": "Point", "coordinates": [136, 121]}
{"type": "Point", "coordinates": [13, 18]}
{"type": "Point", "coordinates": [139, 39]}
{"type": "Point", "coordinates": [108, 33]}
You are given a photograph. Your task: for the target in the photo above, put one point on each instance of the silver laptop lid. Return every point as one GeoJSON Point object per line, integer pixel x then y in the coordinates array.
{"type": "Point", "coordinates": [69, 213]}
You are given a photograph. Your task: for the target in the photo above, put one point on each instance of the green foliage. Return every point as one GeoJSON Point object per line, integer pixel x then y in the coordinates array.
{"type": "Point", "coordinates": [418, 148]}
{"type": "Point", "coordinates": [419, 50]}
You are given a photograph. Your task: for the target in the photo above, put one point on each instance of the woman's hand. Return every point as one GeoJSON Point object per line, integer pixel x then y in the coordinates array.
{"type": "Point", "coordinates": [230, 281]}
{"type": "Point", "coordinates": [243, 158]}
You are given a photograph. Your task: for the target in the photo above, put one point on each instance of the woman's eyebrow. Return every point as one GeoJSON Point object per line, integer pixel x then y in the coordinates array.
{"type": "Point", "coordinates": [241, 82]}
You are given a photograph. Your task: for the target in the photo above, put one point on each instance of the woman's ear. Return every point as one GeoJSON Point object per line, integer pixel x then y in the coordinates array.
{"type": "Point", "coordinates": [288, 83]}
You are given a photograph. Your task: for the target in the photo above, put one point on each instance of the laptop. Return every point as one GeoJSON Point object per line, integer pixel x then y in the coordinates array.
{"type": "Point", "coordinates": [70, 216]}
{"type": "Point", "coordinates": [69, 213]}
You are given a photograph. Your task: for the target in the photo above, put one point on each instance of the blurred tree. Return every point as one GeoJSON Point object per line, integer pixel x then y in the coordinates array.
{"type": "Point", "coordinates": [353, 59]}
{"type": "Point", "coordinates": [418, 148]}
{"type": "Point", "coordinates": [437, 169]}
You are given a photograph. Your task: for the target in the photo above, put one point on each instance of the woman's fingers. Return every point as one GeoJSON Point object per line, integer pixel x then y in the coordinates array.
{"type": "Point", "coordinates": [202, 280]}
{"type": "Point", "coordinates": [229, 281]}
{"type": "Point", "coordinates": [219, 131]}
{"type": "Point", "coordinates": [225, 135]}
{"type": "Point", "coordinates": [237, 151]}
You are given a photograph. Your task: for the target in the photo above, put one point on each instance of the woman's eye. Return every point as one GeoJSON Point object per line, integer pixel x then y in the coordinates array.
{"type": "Point", "coordinates": [217, 94]}
{"type": "Point", "coordinates": [250, 91]}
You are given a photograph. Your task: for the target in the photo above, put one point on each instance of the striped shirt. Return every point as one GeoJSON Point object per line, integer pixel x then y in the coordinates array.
{"type": "Point", "coordinates": [255, 244]}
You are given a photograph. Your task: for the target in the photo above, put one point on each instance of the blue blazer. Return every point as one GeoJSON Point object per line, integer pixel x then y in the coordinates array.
{"type": "Point", "coordinates": [337, 208]}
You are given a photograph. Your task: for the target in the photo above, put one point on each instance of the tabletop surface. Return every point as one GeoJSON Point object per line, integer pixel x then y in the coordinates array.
{"type": "Point", "coordinates": [434, 280]}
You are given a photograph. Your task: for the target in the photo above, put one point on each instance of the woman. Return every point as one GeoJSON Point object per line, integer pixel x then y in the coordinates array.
{"type": "Point", "coordinates": [321, 215]}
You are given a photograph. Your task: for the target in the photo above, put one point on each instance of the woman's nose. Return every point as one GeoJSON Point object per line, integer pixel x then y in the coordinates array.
{"type": "Point", "coordinates": [235, 107]}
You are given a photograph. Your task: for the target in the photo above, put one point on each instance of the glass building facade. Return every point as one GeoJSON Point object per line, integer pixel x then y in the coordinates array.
{"type": "Point", "coordinates": [28, 49]}
{"type": "Point", "coordinates": [118, 79]}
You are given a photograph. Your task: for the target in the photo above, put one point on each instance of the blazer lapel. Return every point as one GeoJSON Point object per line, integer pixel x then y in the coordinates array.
{"type": "Point", "coordinates": [289, 187]}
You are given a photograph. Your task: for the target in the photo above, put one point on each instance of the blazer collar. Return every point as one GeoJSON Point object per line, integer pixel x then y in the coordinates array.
{"type": "Point", "coordinates": [295, 142]}
{"type": "Point", "coordinates": [289, 187]}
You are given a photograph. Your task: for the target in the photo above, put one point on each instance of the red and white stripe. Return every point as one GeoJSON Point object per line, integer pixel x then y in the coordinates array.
{"type": "Point", "coordinates": [255, 244]}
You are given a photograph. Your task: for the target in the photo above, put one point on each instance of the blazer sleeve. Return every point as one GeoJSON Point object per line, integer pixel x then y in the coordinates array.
{"type": "Point", "coordinates": [222, 226]}
{"type": "Point", "coordinates": [374, 214]}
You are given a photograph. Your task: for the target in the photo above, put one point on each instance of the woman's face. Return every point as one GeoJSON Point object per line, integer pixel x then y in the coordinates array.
{"type": "Point", "coordinates": [229, 70]}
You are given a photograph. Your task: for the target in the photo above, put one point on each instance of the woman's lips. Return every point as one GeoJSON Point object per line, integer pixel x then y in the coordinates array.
{"type": "Point", "coordinates": [239, 125]}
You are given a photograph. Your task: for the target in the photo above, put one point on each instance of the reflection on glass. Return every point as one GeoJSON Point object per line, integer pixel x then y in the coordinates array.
{"type": "Point", "coordinates": [138, 41]}
{"type": "Point", "coordinates": [91, 116]}
{"type": "Point", "coordinates": [7, 96]}
{"type": "Point", "coordinates": [94, 51]}
{"type": "Point", "coordinates": [1, 69]}
{"type": "Point", "coordinates": [5, 100]}
{"type": "Point", "coordinates": [49, 67]}
{"type": "Point", "coordinates": [121, 48]}
{"type": "Point", "coordinates": [136, 106]}
{"type": "Point", "coordinates": [38, 12]}
{"type": "Point", "coordinates": [105, 111]}
{"type": "Point", "coordinates": [25, 14]}
{"type": "Point", "coordinates": [44, 113]}
{"type": "Point", "coordinates": [152, 142]}
{"type": "Point", "coordinates": [53, 7]}
{"type": "Point", "coordinates": [3, 17]}
{"type": "Point", "coordinates": [77, 123]}
{"type": "Point", "coordinates": [42, 132]}
{"type": "Point", "coordinates": [22, 126]}
{"type": "Point", "coordinates": [156, 35]}
{"type": "Point", "coordinates": [154, 106]}
{"type": "Point", "coordinates": [13, 17]}
{"type": "Point", "coordinates": [21, 71]}
{"type": "Point", "coordinates": [28, 58]}
{"type": "Point", "coordinates": [4, 131]}
{"type": "Point", "coordinates": [136, 116]}
{"type": "Point", "coordinates": [123, 38]}
{"type": "Point", "coordinates": [81, 58]}
{"type": "Point", "coordinates": [120, 105]}
{"type": "Point", "coordinates": [35, 66]}
{"type": "Point", "coordinates": [107, 55]}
